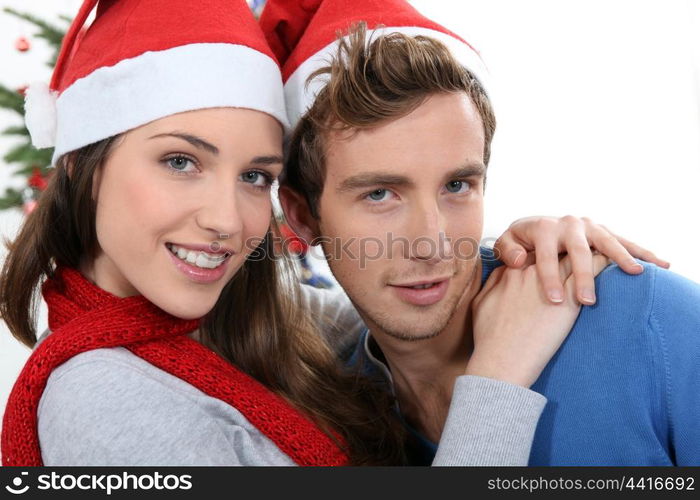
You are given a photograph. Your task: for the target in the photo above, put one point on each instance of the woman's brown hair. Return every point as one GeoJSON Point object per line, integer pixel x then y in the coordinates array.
{"type": "Point", "coordinates": [258, 323]}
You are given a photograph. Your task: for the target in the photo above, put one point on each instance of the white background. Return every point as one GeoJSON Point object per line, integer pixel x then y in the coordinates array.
{"type": "Point", "coordinates": [598, 107]}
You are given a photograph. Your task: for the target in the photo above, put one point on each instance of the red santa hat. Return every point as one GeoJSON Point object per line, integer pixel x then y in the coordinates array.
{"type": "Point", "coordinates": [140, 61]}
{"type": "Point", "coordinates": [303, 35]}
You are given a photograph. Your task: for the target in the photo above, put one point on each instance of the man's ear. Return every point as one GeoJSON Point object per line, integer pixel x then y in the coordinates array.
{"type": "Point", "coordinates": [298, 214]}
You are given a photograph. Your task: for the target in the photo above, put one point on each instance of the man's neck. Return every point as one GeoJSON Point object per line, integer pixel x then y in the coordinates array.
{"type": "Point", "coordinates": [424, 371]}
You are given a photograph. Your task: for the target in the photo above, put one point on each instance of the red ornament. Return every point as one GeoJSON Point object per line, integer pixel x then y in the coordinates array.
{"type": "Point", "coordinates": [23, 90]}
{"type": "Point", "coordinates": [293, 243]}
{"type": "Point", "coordinates": [37, 180]}
{"type": "Point", "coordinates": [22, 44]}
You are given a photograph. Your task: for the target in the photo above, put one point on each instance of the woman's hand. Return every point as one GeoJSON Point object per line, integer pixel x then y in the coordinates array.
{"type": "Point", "coordinates": [550, 236]}
{"type": "Point", "coordinates": [516, 329]}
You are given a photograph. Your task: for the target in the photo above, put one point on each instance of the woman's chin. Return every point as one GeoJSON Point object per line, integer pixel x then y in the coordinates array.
{"type": "Point", "coordinates": [192, 309]}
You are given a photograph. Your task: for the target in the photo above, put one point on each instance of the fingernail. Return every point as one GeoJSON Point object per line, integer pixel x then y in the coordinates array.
{"type": "Point", "coordinates": [636, 265]}
{"type": "Point", "coordinates": [516, 256]}
{"type": "Point", "coordinates": [588, 296]}
{"type": "Point", "coordinates": [555, 296]}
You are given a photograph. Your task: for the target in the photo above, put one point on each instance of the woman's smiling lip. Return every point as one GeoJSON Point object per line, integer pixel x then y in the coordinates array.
{"type": "Point", "coordinates": [212, 248]}
{"type": "Point", "coordinates": [198, 274]}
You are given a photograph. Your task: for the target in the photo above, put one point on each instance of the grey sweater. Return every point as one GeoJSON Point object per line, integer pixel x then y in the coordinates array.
{"type": "Point", "coordinates": [110, 407]}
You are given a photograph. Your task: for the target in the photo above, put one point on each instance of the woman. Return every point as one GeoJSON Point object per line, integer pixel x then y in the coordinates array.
{"type": "Point", "coordinates": [172, 341]}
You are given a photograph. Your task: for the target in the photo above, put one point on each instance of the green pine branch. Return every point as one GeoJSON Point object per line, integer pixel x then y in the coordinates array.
{"type": "Point", "coordinates": [16, 130]}
{"type": "Point", "coordinates": [26, 154]}
{"type": "Point", "coordinates": [49, 32]}
{"type": "Point", "coordinates": [28, 170]}
{"type": "Point", "coordinates": [11, 99]}
{"type": "Point", "coordinates": [12, 198]}
{"type": "Point", "coordinates": [52, 34]}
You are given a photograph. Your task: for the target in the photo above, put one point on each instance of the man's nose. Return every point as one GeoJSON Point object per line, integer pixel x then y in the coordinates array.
{"type": "Point", "coordinates": [429, 242]}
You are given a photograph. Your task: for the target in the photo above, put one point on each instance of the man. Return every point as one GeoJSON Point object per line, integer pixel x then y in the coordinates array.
{"type": "Point", "coordinates": [391, 159]}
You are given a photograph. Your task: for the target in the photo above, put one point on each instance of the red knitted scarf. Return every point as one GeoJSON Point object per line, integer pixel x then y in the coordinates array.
{"type": "Point", "coordinates": [84, 317]}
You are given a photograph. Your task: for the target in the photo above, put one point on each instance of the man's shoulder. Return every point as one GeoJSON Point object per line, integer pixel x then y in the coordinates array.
{"type": "Point", "coordinates": [646, 311]}
{"type": "Point", "coordinates": [652, 291]}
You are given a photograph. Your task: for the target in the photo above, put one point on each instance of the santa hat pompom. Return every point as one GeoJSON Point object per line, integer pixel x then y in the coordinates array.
{"type": "Point", "coordinates": [40, 115]}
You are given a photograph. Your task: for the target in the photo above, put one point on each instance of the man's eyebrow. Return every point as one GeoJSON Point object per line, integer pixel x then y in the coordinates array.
{"type": "Point", "coordinates": [197, 142]}
{"type": "Point", "coordinates": [367, 180]}
{"type": "Point", "coordinates": [468, 170]}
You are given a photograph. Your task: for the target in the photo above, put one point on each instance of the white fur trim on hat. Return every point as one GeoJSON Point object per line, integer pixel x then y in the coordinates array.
{"type": "Point", "coordinates": [153, 85]}
{"type": "Point", "coordinates": [40, 114]}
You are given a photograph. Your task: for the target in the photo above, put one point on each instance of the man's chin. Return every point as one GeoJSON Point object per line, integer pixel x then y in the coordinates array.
{"type": "Point", "coordinates": [414, 326]}
{"type": "Point", "coordinates": [412, 336]}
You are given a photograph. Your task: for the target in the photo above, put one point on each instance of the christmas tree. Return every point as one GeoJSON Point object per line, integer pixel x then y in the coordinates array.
{"type": "Point", "coordinates": [27, 161]}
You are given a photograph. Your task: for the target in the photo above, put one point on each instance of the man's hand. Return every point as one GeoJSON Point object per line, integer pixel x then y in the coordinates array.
{"type": "Point", "coordinates": [516, 329]}
{"type": "Point", "coordinates": [550, 236]}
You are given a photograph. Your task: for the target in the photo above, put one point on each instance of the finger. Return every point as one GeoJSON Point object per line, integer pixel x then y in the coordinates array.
{"type": "Point", "coordinates": [570, 290]}
{"type": "Point", "coordinates": [600, 262]}
{"type": "Point", "coordinates": [529, 259]}
{"type": "Point", "coordinates": [611, 246]}
{"type": "Point", "coordinates": [547, 262]}
{"type": "Point", "coordinates": [509, 250]}
{"type": "Point", "coordinates": [581, 259]}
{"type": "Point", "coordinates": [493, 280]}
{"type": "Point", "coordinates": [641, 253]}
{"type": "Point", "coordinates": [564, 268]}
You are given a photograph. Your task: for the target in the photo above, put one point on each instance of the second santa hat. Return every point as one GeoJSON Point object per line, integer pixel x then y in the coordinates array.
{"type": "Point", "coordinates": [303, 34]}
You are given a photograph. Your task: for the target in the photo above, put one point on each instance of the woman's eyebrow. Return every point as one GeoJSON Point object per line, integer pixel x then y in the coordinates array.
{"type": "Point", "coordinates": [267, 160]}
{"type": "Point", "coordinates": [197, 142]}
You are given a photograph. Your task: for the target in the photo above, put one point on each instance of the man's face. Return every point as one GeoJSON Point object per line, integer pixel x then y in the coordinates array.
{"type": "Point", "coordinates": [401, 215]}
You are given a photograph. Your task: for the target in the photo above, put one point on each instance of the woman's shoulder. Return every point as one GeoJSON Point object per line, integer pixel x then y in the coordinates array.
{"type": "Point", "coordinates": [115, 368]}
{"type": "Point", "coordinates": [110, 407]}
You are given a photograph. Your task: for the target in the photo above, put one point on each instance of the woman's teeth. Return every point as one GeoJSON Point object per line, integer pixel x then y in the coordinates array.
{"type": "Point", "coordinates": [198, 258]}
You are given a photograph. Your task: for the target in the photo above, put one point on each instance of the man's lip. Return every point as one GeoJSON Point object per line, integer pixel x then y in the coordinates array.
{"type": "Point", "coordinates": [422, 282]}
{"type": "Point", "coordinates": [204, 248]}
{"type": "Point", "coordinates": [422, 297]}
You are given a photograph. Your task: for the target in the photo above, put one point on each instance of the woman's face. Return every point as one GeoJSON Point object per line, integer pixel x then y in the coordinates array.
{"type": "Point", "coordinates": [181, 203]}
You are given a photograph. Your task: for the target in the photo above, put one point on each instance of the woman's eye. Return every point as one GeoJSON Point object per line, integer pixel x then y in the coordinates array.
{"type": "Point", "coordinates": [457, 186]}
{"type": "Point", "coordinates": [379, 195]}
{"type": "Point", "coordinates": [179, 164]}
{"type": "Point", "coordinates": [257, 179]}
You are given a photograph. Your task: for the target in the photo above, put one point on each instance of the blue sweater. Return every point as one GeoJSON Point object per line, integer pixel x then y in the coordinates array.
{"type": "Point", "coordinates": [624, 388]}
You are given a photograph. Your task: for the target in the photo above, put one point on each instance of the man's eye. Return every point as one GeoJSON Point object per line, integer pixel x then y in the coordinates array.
{"type": "Point", "coordinates": [378, 195]}
{"type": "Point", "coordinates": [457, 186]}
